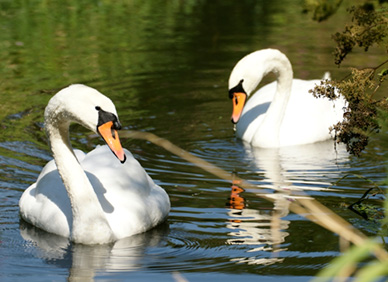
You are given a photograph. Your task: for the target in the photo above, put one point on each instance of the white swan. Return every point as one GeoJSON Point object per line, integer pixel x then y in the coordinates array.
{"type": "Point", "coordinates": [93, 198]}
{"type": "Point", "coordinates": [281, 113]}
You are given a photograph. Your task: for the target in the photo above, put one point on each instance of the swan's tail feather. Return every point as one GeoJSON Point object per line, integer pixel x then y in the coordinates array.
{"type": "Point", "coordinates": [326, 76]}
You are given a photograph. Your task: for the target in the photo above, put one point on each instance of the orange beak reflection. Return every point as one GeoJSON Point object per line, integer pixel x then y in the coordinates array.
{"type": "Point", "coordinates": [111, 138]}
{"type": "Point", "coordinates": [236, 201]}
{"type": "Point", "coordinates": [238, 100]}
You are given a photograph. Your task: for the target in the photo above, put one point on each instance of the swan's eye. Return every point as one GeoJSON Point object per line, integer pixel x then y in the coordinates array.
{"type": "Point", "coordinates": [105, 117]}
{"type": "Point", "coordinates": [238, 88]}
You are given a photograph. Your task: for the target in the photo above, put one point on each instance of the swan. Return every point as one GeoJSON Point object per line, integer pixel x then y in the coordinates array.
{"type": "Point", "coordinates": [282, 113]}
{"type": "Point", "coordinates": [93, 198]}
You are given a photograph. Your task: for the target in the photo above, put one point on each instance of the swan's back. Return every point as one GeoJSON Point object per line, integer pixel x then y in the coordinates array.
{"type": "Point", "coordinates": [95, 198]}
{"type": "Point", "coordinates": [130, 199]}
{"type": "Point", "coordinates": [282, 113]}
{"type": "Point", "coordinates": [307, 119]}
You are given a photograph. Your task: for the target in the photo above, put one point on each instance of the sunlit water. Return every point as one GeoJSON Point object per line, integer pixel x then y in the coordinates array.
{"type": "Point", "coordinates": [170, 78]}
{"type": "Point", "coordinates": [209, 230]}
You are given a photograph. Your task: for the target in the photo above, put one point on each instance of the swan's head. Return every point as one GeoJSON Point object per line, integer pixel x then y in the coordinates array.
{"type": "Point", "coordinates": [243, 79]}
{"type": "Point", "coordinates": [88, 107]}
{"type": "Point", "coordinates": [239, 97]}
{"type": "Point", "coordinates": [249, 71]}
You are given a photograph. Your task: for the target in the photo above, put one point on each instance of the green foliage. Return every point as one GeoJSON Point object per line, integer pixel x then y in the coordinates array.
{"type": "Point", "coordinates": [384, 128]}
{"type": "Point", "coordinates": [346, 265]}
{"type": "Point", "coordinates": [360, 262]}
{"type": "Point", "coordinates": [361, 114]}
{"type": "Point", "coordinates": [382, 75]}
{"type": "Point", "coordinates": [368, 210]}
{"type": "Point", "coordinates": [369, 26]}
{"type": "Point", "coordinates": [321, 9]}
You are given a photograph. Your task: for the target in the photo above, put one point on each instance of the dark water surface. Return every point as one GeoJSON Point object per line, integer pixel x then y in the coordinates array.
{"type": "Point", "coordinates": [165, 64]}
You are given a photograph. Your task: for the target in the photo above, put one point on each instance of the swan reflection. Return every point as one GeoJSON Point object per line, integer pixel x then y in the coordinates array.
{"type": "Point", "coordinates": [83, 261]}
{"type": "Point", "coordinates": [299, 168]}
{"type": "Point", "coordinates": [261, 230]}
{"type": "Point", "coordinates": [285, 170]}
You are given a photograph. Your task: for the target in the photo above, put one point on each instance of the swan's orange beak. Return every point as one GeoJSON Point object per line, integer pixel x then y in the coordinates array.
{"type": "Point", "coordinates": [238, 100]}
{"type": "Point", "coordinates": [111, 138]}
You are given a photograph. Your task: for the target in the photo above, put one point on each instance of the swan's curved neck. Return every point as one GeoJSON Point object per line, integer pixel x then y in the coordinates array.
{"type": "Point", "coordinates": [270, 127]}
{"type": "Point", "coordinates": [89, 222]}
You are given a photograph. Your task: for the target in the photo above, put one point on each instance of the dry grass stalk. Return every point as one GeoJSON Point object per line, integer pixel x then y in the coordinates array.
{"type": "Point", "coordinates": [302, 205]}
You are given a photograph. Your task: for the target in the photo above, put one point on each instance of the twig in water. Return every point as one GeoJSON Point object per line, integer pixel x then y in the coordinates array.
{"type": "Point", "coordinates": [303, 205]}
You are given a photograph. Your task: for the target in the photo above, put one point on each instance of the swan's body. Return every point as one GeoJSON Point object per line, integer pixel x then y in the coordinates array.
{"type": "Point", "coordinates": [92, 198]}
{"type": "Point", "coordinates": [282, 113]}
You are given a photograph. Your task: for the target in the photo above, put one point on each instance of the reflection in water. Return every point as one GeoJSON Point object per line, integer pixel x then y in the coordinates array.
{"type": "Point", "coordinates": [236, 201]}
{"type": "Point", "coordinates": [282, 167]}
{"type": "Point", "coordinates": [256, 228]}
{"type": "Point", "coordinates": [294, 168]}
{"type": "Point", "coordinates": [83, 261]}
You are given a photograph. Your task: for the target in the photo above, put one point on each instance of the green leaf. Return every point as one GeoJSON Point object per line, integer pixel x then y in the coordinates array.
{"type": "Point", "coordinates": [383, 72]}
{"type": "Point", "coordinates": [347, 261]}
{"type": "Point", "coordinates": [373, 271]}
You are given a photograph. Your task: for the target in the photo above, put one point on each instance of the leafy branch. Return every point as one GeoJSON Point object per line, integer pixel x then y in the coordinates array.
{"type": "Point", "coordinates": [369, 26]}
{"type": "Point", "coordinates": [360, 117]}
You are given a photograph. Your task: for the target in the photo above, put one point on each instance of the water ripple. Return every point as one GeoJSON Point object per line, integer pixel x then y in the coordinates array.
{"type": "Point", "coordinates": [211, 226]}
